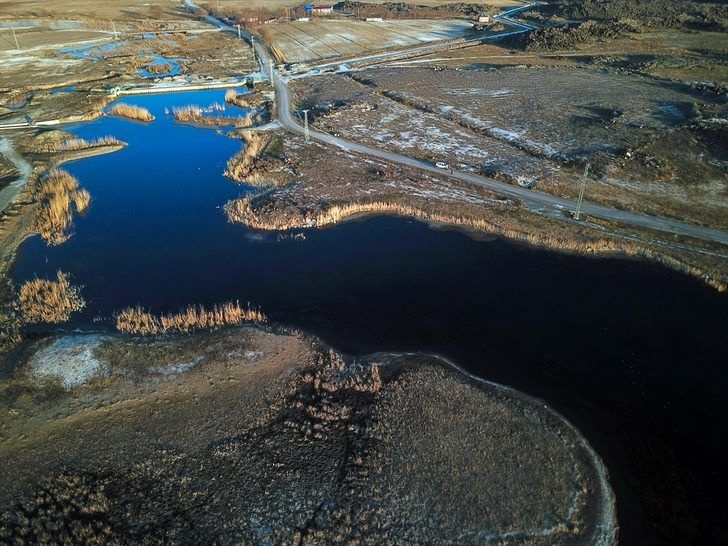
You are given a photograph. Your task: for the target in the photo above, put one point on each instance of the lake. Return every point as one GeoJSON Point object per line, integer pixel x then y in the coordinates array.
{"type": "Point", "coordinates": [632, 353]}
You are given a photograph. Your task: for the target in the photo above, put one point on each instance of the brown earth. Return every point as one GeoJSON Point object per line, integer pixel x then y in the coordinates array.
{"type": "Point", "coordinates": [244, 435]}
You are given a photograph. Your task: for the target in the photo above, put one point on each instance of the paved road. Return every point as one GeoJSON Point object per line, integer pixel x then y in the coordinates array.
{"type": "Point", "coordinates": [549, 204]}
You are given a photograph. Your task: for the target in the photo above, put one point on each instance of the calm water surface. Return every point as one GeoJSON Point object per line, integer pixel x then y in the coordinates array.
{"type": "Point", "coordinates": [633, 354]}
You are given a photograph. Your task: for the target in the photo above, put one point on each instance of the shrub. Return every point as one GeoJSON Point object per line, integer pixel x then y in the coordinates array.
{"type": "Point", "coordinates": [43, 300]}
{"type": "Point", "coordinates": [130, 111]}
{"type": "Point", "coordinates": [56, 193]}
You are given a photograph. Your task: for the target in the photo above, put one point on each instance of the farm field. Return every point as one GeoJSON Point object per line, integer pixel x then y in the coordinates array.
{"type": "Point", "coordinates": [311, 41]}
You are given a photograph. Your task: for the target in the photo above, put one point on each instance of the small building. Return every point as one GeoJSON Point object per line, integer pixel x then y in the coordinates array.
{"type": "Point", "coordinates": [484, 19]}
{"type": "Point", "coordinates": [303, 20]}
{"type": "Point", "coordinates": [374, 19]}
{"type": "Point", "coordinates": [323, 9]}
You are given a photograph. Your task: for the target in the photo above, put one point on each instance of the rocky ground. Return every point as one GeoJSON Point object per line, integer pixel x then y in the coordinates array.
{"type": "Point", "coordinates": [246, 435]}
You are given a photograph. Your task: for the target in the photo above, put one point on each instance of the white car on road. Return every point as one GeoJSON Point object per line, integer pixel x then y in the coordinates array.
{"type": "Point", "coordinates": [442, 165]}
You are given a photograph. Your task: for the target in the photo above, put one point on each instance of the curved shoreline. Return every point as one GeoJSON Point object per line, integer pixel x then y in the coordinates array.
{"type": "Point", "coordinates": [606, 532]}
{"type": "Point", "coordinates": [381, 443]}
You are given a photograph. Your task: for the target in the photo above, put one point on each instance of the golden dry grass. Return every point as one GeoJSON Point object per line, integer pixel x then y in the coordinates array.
{"type": "Point", "coordinates": [134, 320]}
{"type": "Point", "coordinates": [131, 111]}
{"type": "Point", "coordinates": [43, 300]}
{"type": "Point", "coordinates": [76, 144]}
{"type": "Point", "coordinates": [56, 193]}
{"type": "Point", "coordinates": [81, 198]}
{"type": "Point", "coordinates": [196, 114]}
{"type": "Point", "coordinates": [239, 167]}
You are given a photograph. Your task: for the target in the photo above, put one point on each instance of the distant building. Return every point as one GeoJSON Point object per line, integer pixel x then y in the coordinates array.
{"type": "Point", "coordinates": [323, 9]}
{"type": "Point", "coordinates": [484, 19]}
{"type": "Point", "coordinates": [374, 19]}
{"type": "Point", "coordinates": [303, 19]}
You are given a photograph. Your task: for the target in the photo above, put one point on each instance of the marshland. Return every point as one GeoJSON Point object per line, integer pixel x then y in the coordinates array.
{"type": "Point", "coordinates": [223, 301]}
{"type": "Point", "coordinates": [156, 247]}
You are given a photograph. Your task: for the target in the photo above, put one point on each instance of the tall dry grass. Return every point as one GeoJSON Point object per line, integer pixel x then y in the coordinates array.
{"type": "Point", "coordinates": [43, 300]}
{"type": "Point", "coordinates": [196, 114]}
{"type": "Point", "coordinates": [246, 100]}
{"type": "Point", "coordinates": [240, 166]}
{"type": "Point", "coordinates": [130, 111]}
{"type": "Point", "coordinates": [134, 320]}
{"type": "Point", "coordinates": [76, 144]}
{"type": "Point", "coordinates": [56, 194]}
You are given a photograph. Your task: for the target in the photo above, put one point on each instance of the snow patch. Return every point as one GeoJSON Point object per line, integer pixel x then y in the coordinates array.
{"type": "Point", "coordinates": [70, 360]}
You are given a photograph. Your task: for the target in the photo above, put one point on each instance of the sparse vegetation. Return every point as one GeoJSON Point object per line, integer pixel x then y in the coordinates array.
{"type": "Point", "coordinates": [134, 320]}
{"type": "Point", "coordinates": [56, 194]}
{"type": "Point", "coordinates": [43, 300]}
{"type": "Point", "coordinates": [131, 111]}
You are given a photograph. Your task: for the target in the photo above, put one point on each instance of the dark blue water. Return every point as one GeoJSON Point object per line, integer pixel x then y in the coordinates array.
{"type": "Point", "coordinates": [632, 353]}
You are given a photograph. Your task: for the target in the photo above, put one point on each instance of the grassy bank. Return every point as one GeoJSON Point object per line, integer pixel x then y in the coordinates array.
{"type": "Point", "coordinates": [245, 211]}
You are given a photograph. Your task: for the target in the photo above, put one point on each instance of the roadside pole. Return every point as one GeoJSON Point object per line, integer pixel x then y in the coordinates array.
{"type": "Point", "coordinates": [305, 124]}
{"type": "Point", "coordinates": [271, 71]}
{"type": "Point", "coordinates": [581, 192]}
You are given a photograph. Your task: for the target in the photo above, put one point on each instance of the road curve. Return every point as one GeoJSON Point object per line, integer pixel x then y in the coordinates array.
{"type": "Point", "coordinates": [552, 205]}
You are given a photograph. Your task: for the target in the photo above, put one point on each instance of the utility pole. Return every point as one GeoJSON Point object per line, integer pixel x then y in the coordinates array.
{"type": "Point", "coordinates": [15, 37]}
{"type": "Point", "coordinates": [581, 192]}
{"type": "Point", "coordinates": [271, 71]}
{"type": "Point", "coordinates": [113, 27]}
{"type": "Point", "coordinates": [238, 32]}
{"type": "Point", "coordinates": [305, 124]}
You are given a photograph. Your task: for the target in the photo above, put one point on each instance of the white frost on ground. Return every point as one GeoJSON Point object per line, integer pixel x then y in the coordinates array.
{"type": "Point", "coordinates": [69, 360]}
{"type": "Point", "coordinates": [171, 370]}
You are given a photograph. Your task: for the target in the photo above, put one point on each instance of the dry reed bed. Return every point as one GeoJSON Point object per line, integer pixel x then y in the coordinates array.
{"type": "Point", "coordinates": [130, 111]}
{"type": "Point", "coordinates": [242, 210]}
{"type": "Point", "coordinates": [196, 114]}
{"type": "Point", "coordinates": [43, 300]}
{"type": "Point", "coordinates": [246, 100]}
{"type": "Point", "coordinates": [134, 320]}
{"type": "Point", "coordinates": [240, 166]}
{"type": "Point", "coordinates": [57, 194]}
{"type": "Point", "coordinates": [158, 68]}
{"type": "Point", "coordinates": [76, 144]}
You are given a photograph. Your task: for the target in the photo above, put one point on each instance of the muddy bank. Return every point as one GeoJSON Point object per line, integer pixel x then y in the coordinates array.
{"type": "Point", "coordinates": [245, 435]}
